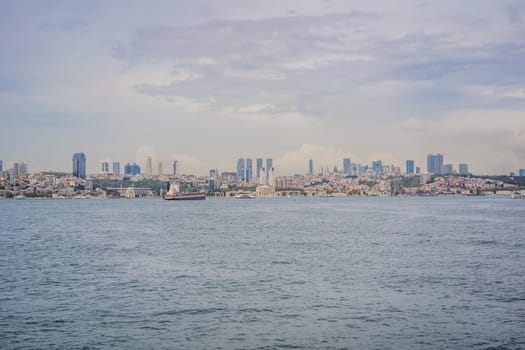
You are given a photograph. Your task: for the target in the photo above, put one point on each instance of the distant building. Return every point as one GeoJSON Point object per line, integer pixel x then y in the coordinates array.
{"type": "Point", "coordinates": [1, 165]}
{"type": "Point", "coordinates": [105, 167]}
{"type": "Point", "coordinates": [410, 167]}
{"type": "Point", "coordinates": [271, 178]}
{"type": "Point", "coordinates": [149, 167]}
{"type": "Point", "coordinates": [131, 169]}
{"type": "Point", "coordinates": [241, 169]}
{"type": "Point", "coordinates": [310, 167]}
{"type": "Point", "coordinates": [259, 166]}
{"type": "Point", "coordinates": [434, 163]}
{"type": "Point", "coordinates": [418, 170]}
{"type": "Point", "coordinates": [175, 168]}
{"type": "Point", "coordinates": [116, 168]}
{"type": "Point", "coordinates": [446, 169]}
{"type": "Point", "coordinates": [521, 172]}
{"type": "Point", "coordinates": [20, 168]}
{"type": "Point", "coordinates": [159, 168]}
{"type": "Point", "coordinates": [79, 165]}
{"type": "Point", "coordinates": [377, 167]}
{"type": "Point", "coordinates": [347, 166]}
{"type": "Point", "coordinates": [463, 169]}
{"type": "Point", "coordinates": [511, 174]}
{"type": "Point", "coordinates": [249, 170]}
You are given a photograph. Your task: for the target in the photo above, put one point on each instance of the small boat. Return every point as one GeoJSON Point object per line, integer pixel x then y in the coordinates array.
{"type": "Point", "coordinates": [244, 196]}
{"type": "Point", "coordinates": [174, 194]}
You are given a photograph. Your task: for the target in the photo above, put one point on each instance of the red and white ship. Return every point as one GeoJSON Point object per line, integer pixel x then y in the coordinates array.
{"type": "Point", "coordinates": [174, 194]}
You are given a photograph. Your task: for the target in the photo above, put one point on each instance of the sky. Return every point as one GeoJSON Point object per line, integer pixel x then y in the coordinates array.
{"type": "Point", "coordinates": [207, 82]}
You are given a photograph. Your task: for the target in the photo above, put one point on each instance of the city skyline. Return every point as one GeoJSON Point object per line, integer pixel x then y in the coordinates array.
{"type": "Point", "coordinates": [204, 81]}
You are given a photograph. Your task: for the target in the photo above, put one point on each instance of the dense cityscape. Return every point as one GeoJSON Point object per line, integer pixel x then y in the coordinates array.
{"type": "Point", "coordinates": [258, 178]}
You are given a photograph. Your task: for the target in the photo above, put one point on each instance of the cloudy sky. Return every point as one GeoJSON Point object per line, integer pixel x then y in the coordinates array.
{"type": "Point", "coordinates": [207, 82]}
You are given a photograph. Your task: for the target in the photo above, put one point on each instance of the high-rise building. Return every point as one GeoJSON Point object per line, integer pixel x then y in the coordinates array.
{"type": "Point", "coordinates": [259, 166]}
{"type": "Point", "coordinates": [20, 168]}
{"type": "Point", "coordinates": [446, 169]}
{"type": "Point", "coordinates": [241, 169]}
{"type": "Point", "coordinates": [418, 170]}
{"type": "Point", "coordinates": [347, 166]}
{"type": "Point", "coordinates": [434, 163]}
{"type": "Point", "coordinates": [249, 170]}
{"type": "Point", "coordinates": [175, 168]}
{"type": "Point", "coordinates": [463, 169]}
{"type": "Point", "coordinates": [131, 169]}
{"type": "Point", "coordinates": [377, 167]}
{"type": "Point", "coordinates": [116, 168]}
{"type": "Point", "coordinates": [1, 165]}
{"type": "Point", "coordinates": [79, 165]}
{"type": "Point", "coordinates": [105, 167]}
{"type": "Point", "coordinates": [521, 172]}
{"type": "Point", "coordinates": [159, 168]}
{"type": "Point", "coordinates": [410, 167]}
{"type": "Point", "coordinates": [310, 167]}
{"type": "Point", "coordinates": [149, 167]}
{"type": "Point", "coordinates": [511, 174]}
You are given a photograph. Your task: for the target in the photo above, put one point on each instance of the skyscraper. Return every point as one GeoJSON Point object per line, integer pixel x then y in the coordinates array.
{"type": "Point", "coordinates": [1, 165]}
{"type": "Point", "coordinates": [149, 168]}
{"type": "Point", "coordinates": [410, 167]}
{"type": "Point", "coordinates": [249, 170]}
{"type": "Point", "coordinates": [377, 166]}
{"type": "Point", "coordinates": [79, 165]}
{"type": "Point", "coordinates": [521, 172]}
{"type": "Point", "coordinates": [116, 168]}
{"type": "Point", "coordinates": [175, 168]}
{"type": "Point", "coordinates": [131, 169]}
{"type": "Point", "coordinates": [159, 168]}
{"type": "Point", "coordinates": [259, 166]}
{"type": "Point", "coordinates": [463, 169]}
{"type": "Point", "coordinates": [311, 167]}
{"type": "Point", "coordinates": [347, 170]}
{"type": "Point", "coordinates": [434, 163]}
{"type": "Point", "coordinates": [269, 164]}
{"type": "Point", "coordinates": [240, 169]}
{"type": "Point", "coordinates": [446, 169]}
{"type": "Point", "coordinates": [105, 167]}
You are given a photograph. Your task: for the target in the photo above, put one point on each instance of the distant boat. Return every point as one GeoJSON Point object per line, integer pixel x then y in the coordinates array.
{"type": "Point", "coordinates": [173, 194]}
{"type": "Point", "coordinates": [244, 196]}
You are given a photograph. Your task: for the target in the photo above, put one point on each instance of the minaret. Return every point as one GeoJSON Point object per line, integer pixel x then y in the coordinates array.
{"type": "Point", "coordinates": [271, 178]}
{"type": "Point", "coordinates": [262, 177]}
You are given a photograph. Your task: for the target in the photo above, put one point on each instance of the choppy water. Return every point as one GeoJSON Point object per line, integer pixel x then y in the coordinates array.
{"type": "Point", "coordinates": [333, 273]}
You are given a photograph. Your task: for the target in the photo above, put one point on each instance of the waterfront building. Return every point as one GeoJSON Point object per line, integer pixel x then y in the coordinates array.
{"type": "Point", "coordinates": [105, 167]}
{"type": "Point", "coordinates": [259, 166]}
{"type": "Point", "coordinates": [434, 163]}
{"type": "Point", "coordinates": [410, 167]}
{"type": "Point", "coordinates": [249, 170]}
{"type": "Point", "coordinates": [240, 169]}
{"type": "Point", "coordinates": [347, 166]}
{"type": "Point", "coordinates": [310, 167]}
{"type": "Point", "coordinates": [131, 169]}
{"type": "Point", "coordinates": [446, 169]}
{"type": "Point", "coordinates": [463, 169]}
{"type": "Point", "coordinates": [149, 168]}
{"type": "Point", "coordinates": [521, 172]}
{"type": "Point", "coordinates": [79, 165]}
{"type": "Point", "coordinates": [175, 168]}
{"type": "Point", "coordinates": [116, 168]}
{"type": "Point", "coordinates": [377, 167]}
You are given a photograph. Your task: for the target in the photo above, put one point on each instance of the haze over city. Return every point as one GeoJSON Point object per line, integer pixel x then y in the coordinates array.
{"type": "Point", "coordinates": [208, 82]}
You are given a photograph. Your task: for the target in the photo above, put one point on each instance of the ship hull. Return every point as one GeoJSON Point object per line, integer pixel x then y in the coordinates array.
{"type": "Point", "coordinates": [184, 197]}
